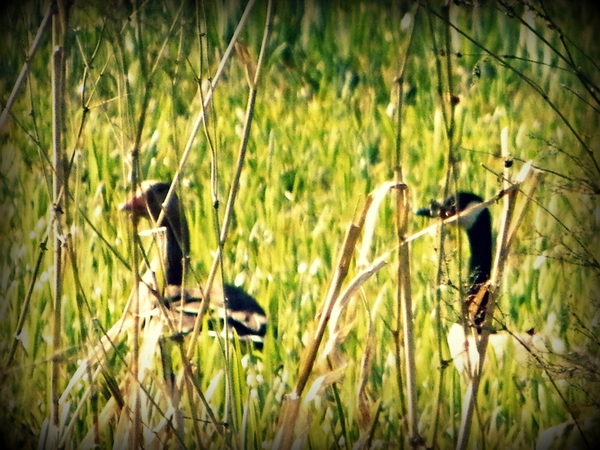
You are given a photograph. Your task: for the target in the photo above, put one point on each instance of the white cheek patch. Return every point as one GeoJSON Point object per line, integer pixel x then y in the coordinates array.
{"type": "Point", "coordinates": [467, 221]}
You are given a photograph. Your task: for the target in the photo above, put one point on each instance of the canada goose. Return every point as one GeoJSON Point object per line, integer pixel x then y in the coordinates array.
{"type": "Point", "coordinates": [244, 314]}
{"type": "Point", "coordinates": [478, 226]}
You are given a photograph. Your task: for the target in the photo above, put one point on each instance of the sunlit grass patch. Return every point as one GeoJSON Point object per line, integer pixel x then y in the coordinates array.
{"type": "Point", "coordinates": [323, 138]}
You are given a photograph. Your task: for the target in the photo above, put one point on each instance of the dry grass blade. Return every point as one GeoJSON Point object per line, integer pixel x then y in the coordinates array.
{"type": "Point", "coordinates": [376, 197]}
{"type": "Point", "coordinates": [339, 275]}
{"type": "Point", "coordinates": [242, 52]}
{"type": "Point", "coordinates": [344, 298]}
{"type": "Point", "coordinates": [363, 402]}
{"type": "Point", "coordinates": [370, 215]}
{"type": "Point", "coordinates": [322, 382]}
{"type": "Point", "coordinates": [527, 188]}
{"type": "Point", "coordinates": [366, 437]}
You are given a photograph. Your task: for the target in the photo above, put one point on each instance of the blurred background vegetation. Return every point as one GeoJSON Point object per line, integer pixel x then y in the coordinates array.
{"type": "Point", "coordinates": [323, 136]}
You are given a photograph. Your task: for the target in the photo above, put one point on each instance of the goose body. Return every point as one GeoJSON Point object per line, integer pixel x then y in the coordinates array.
{"type": "Point", "coordinates": [243, 313]}
{"type": "Point", "coordinates": [478, 227]}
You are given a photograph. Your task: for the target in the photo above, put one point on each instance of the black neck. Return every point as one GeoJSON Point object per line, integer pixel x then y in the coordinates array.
{"type": "Point", "coordinates": [480, 243]}
{"type": "Point", "coordinates": [178, 244]}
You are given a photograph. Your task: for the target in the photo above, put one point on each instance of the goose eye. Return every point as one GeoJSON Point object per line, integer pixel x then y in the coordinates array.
{"type": "Point", "coordinates": [448, 212]}
{"type": "Point", "coordinates": [435, 209]}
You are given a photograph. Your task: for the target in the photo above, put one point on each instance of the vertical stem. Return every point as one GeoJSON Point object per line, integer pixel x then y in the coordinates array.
{"type": "Point", "coordinates": [400, 310]}
{"type": "Point", "coordinates": [58, 186]}
{"type": "Point", "coordinates": [404, 296]}
{"type": "Point", "coordinates": [404, 300]}
{"type": "Point", "coordinates": [403, 292]}
{"type": "Point", "coordinates": [451, 175]}
{"type": "Point", "coordinates": [451, 125]}
{"type": "Point", "coordinates": [137, 428]}
{"type": "Point", "coordinates": [500, 259]}
{"type": "Point", "coordinates": [136, 437]}
{"type": "Point", "coordinates": [399, 378]}
{"type": "Point", "coordinates": [235, 184]}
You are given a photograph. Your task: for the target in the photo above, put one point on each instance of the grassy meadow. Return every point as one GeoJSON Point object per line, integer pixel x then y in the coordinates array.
{"type": "Point", "coordinates": [324, 134]}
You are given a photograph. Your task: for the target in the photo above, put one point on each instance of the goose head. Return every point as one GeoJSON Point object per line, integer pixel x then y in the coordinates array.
{"type": "Point", "coordinates": [477, 224]}
{"type": "Point", "coordinates": [147, 203]}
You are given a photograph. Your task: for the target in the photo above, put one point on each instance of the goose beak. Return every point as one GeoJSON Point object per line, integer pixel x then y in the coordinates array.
{"type": "Point", "coordinates": [425, 212]}
{"type": "Point", "coordinates": [434, 210]}
{"type": "Point", "coordinates": [136, 205]}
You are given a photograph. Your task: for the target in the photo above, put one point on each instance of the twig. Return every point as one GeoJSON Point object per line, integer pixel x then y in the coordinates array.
{"type": "Point", "coordinates": [25, 69]}
{"type": "Point", "coordinates": [59, 183]}
{"type": "Point", "coordinates": [25, 306]}
{"type": "Point", "coordinates": [554, 385]}
{"type": "Point", "coordinates": [403, 293]}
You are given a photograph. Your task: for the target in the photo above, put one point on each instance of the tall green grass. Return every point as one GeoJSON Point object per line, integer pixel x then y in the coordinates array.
{"type": "Point", "coordinates": [322, 139]}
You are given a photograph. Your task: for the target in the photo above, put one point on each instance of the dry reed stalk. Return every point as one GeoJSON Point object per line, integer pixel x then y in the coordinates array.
{"type": "Point", "coordinates": [367, 410]}
{"type": "Point", "coordinates": [49, 439]}
{"type": "Point", "coordinates": [290, 411]}
{"type": "Point", "coordinates": [133, 439]}
{"type": "Point", "coordinates": [405, 310]}
{"type": "Point", "coordinates": [403, 299]}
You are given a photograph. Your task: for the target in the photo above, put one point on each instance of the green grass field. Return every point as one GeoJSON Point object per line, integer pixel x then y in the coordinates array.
{"type": "Point", "coordinates": [324, 135]}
